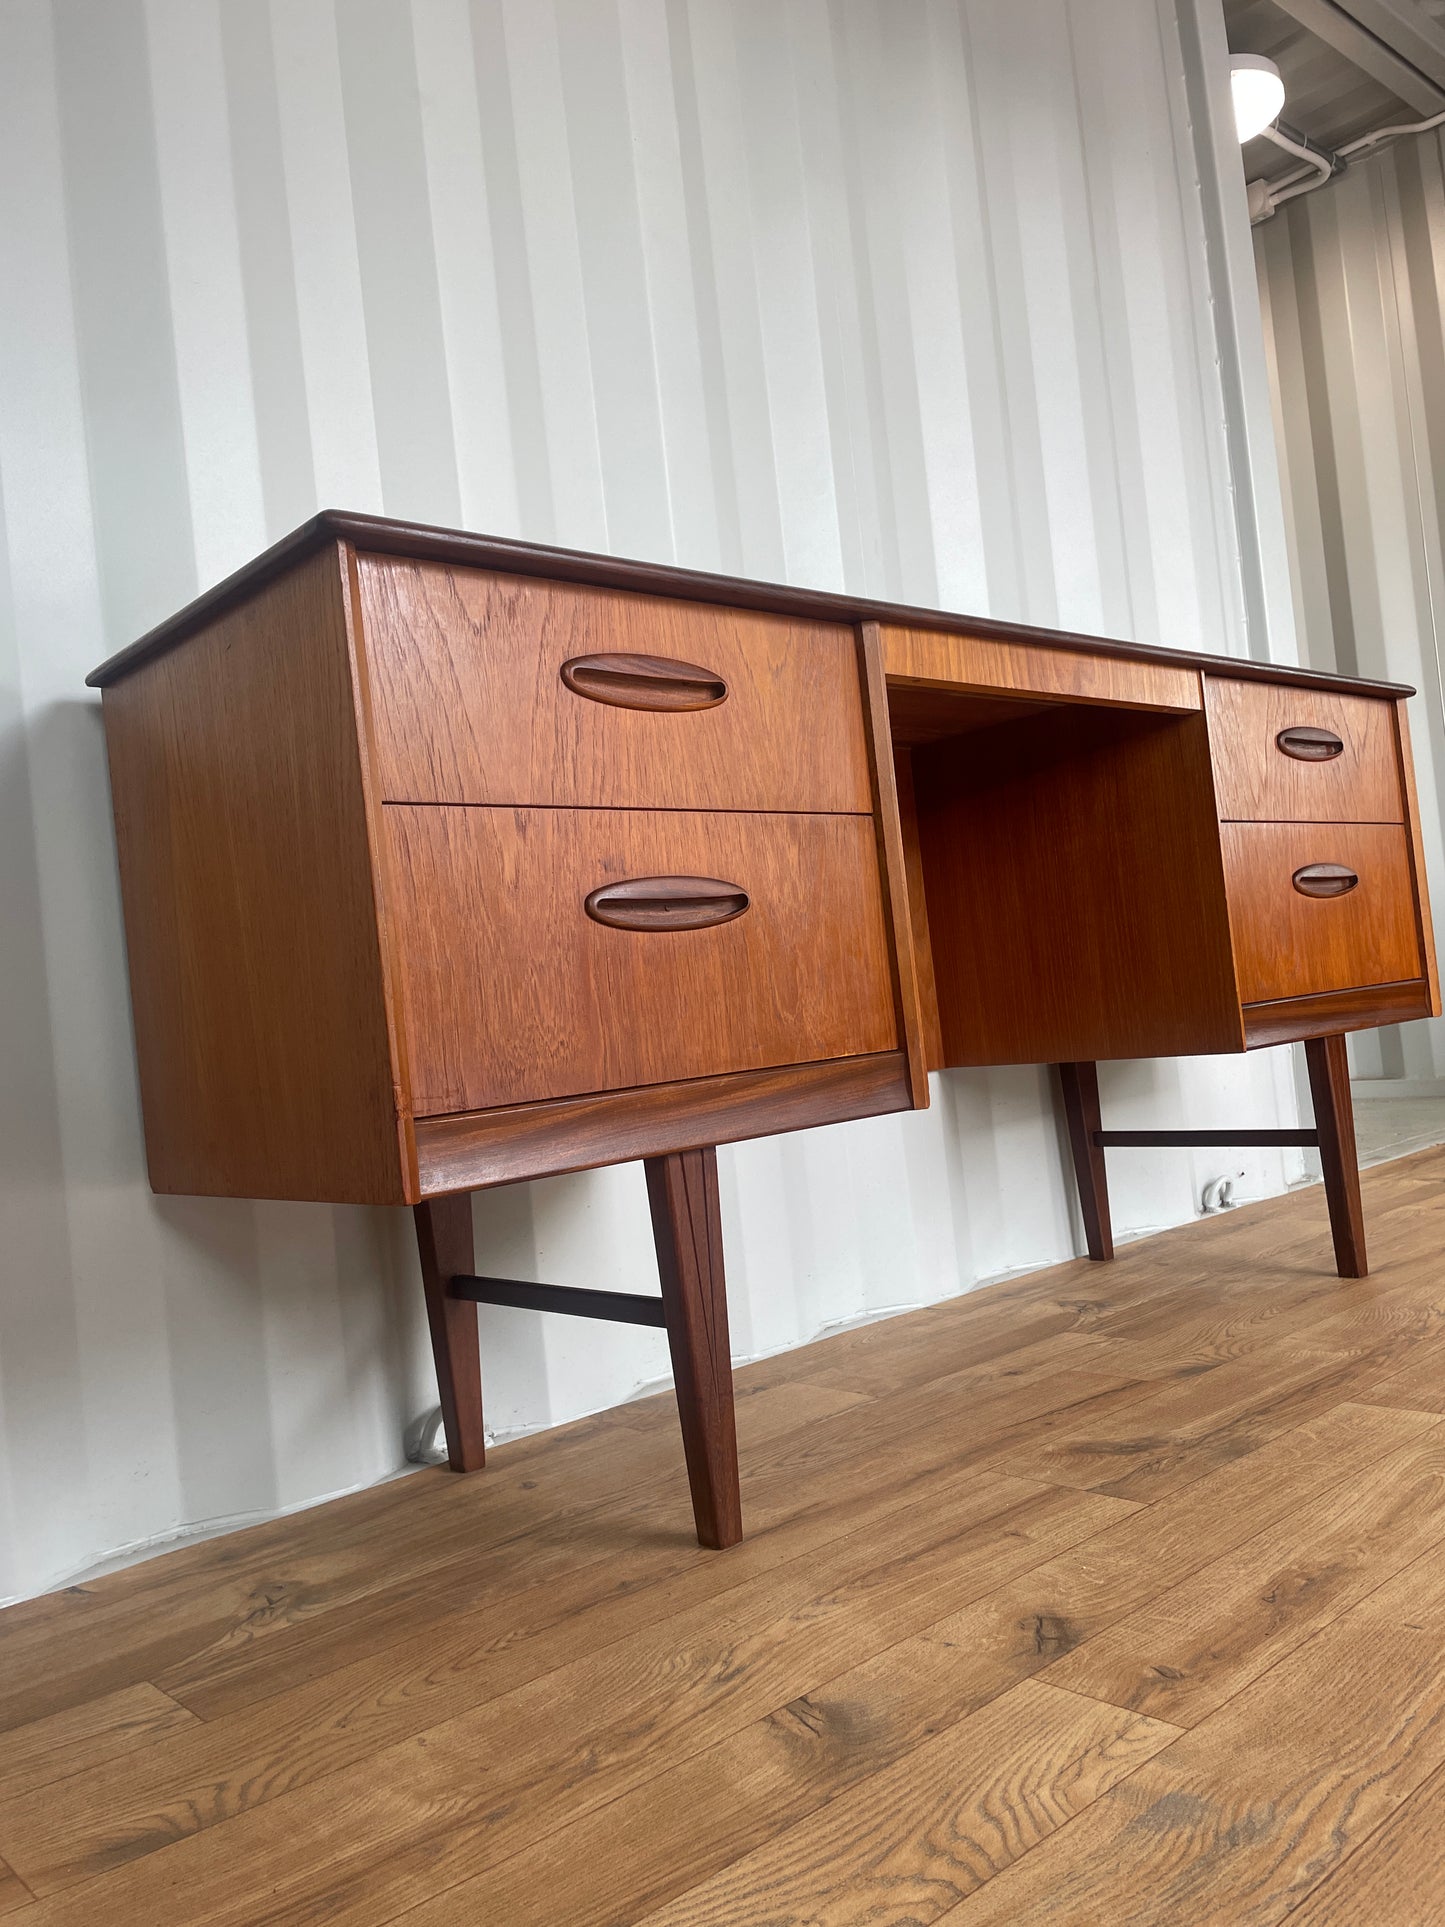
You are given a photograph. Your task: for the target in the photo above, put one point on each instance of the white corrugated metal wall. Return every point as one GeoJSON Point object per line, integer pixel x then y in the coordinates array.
{"type": "Point", "coordinates": [927, 299]}
{"type": "Point", "coordinates": [1352, 280]}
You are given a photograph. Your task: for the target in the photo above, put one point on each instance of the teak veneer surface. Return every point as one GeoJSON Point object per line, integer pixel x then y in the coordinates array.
{"type": "Point", "coordinates": [957, 842]}
{"type": "Point", "coordinates": [1333, 1012]}
{"type": "Point", "coordinates": [1062, 859]}
{"type": "Point", "coordinates": [241, 819]}
{"type": "Point", "coordinates": [1093, 1596]}
{"type": "Point", "coordinates": [469, 706]}
{"type": "Point", "coordinates": [917, 656]}
{"type": "Point", "coordinates": [1256, 780]}
{"type": "Point", "coordinates": [383, 535]}
{"type": "Point", "coordinates": [577, 1133]}
{"type": "Point", "coordinates": [515, 993]}
{"type": "Point", "coordinates": [1411, 796]}
{"type": "Point", "coordinates": [1290, 945]}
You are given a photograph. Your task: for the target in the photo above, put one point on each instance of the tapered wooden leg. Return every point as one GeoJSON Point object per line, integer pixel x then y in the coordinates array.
{"type": "Point", "coordinates": [444, 1238]}
{"type": "Point", "coordinates": [1081, 1108]}
{"type": "Point", "coordinates": [1329, 1069]}
{"type": "Point", "coordinates": [687, 1226]}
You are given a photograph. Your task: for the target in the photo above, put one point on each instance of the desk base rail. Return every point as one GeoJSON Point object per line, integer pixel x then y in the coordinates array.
{"type": "Point", "coordinates": [1333, 1135]}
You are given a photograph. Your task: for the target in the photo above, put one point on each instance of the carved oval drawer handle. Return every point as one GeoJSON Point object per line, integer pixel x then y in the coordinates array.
{"type": "Point", "coordinates": [1324, 880]}
{"type": "Point", "coordinates": [666, 903]}
{"type": "Point", "coordinates": [644, 682]}
{"type": "Point", "coordinates": [1308, 744]}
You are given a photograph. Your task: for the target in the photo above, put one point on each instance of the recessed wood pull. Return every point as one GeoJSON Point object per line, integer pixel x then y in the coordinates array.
{"type": "Point", "coordinates": [1308, 744]}
{"type": "Point", "coordinates": [666, 903]}
{"type": "Point", "coordinates": [644, 682]}
{"type": "Point", "coordinates": [1324, 880]}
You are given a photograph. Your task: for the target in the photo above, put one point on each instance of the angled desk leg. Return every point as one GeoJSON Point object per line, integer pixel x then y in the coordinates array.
{"type": "Point", "coordinates": [687, 1226]}
{"type": "Point", "coordinates": [1080, 1084]}
{"type": "Point", "coordinates": [444, 1239]}
{"type": "Point", "coordinates": [682, 1193]}
{"type": "Point", "coordinates": [1329, 1071]}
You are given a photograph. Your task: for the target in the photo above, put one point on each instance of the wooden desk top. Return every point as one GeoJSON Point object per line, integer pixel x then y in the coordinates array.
{"type": "Point", "coordinates": [382, 535]}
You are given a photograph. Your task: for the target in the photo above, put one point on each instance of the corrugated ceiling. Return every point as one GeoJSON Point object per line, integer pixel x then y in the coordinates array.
{"type": "Point", "coordinates": [1348, 66]}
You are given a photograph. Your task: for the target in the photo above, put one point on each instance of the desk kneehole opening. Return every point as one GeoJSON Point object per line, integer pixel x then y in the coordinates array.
{"type": "Point", "coordinates": [1325, 880]}
{"type": "Point", "coordinates": [666, 903]}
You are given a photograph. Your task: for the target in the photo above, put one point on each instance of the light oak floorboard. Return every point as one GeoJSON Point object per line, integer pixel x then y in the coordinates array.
{"type": "Point", "coordinates": [14, 1894]}
{"type": "Point", "coordinates": [510, 1719]}
{"type": "Point", "coordinates": [911, 1842]}
{"type": "Point", "coordinates": [999, 1554]}
{"type": "Point", "coordinates": [86, 1736]}
{"type": "Point", "coordinates": [1235, 1824]}
{"type": "Point", "coordinates": [1198, 1644]}
{"type": "Point", "coordinates": [1393, 1876]}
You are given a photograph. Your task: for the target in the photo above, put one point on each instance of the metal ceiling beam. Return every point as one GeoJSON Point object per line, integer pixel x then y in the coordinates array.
{"type": "Point", "coordinates": [1406, 29]}
{"type": "Point", "coordinates": [1366, 50]}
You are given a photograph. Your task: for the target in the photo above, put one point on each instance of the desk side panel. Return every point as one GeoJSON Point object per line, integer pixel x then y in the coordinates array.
{"type": "Point", "coordinates": [1417, 855]}
{"type": "Point", "coordinates": [251, 929]}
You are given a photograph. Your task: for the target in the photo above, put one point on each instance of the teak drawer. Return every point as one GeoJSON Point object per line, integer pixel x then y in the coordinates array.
{"type": "Point", "coordinates": [514, 993]}
{"type": "Point", "coordinates": [1274, 758]}
{"type": "Point", "coordinates": [664, 704]}
{"type": "Point", "coordinates": [1288, 943]}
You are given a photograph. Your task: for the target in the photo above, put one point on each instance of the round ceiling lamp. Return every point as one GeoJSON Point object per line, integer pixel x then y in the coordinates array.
{"type": "Point", "coordinates": [1258, 92]}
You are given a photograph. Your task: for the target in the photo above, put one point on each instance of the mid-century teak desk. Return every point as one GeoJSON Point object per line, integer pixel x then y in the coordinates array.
{"type": "Point", "coordinates": [450, 862]}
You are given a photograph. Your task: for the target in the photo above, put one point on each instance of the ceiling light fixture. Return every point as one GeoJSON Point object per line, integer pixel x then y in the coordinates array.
{"type": "Point", "coordinates": [1258, 92]}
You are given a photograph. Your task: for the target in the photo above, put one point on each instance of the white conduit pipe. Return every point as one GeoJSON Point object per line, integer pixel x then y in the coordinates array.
{"type": "Point", "coordinates": [1263, 200]}
{"type": "Point", "coordinates": [1323, 167]}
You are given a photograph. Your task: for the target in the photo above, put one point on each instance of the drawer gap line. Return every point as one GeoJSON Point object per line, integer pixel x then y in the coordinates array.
{"type": "Point", "coordinates": [609, 809]}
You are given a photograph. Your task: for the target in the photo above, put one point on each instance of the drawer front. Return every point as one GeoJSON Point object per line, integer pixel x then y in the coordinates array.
{"type": "Point", "coordinates": [1274, 755]}
{"type": "Point", "coordinates": [506, 689]}
{"type": "Point", "coordinates": [517, 991]}
{"type": "Point", "coordinates": [1288, 943]}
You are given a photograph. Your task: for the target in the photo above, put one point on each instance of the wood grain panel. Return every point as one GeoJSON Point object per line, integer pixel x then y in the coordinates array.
{"type": "Point", "coordinates": [1256, 781]}
{"type": "Point", "coordinates": [256, 974]}
{"type": "Point", "coordinates": [1248, 1811]}
{"type": "Point", "coordinates": [1290, 945]}
{"type": "Point", "coordinates": [384, 535]}
{"type": "Point", "coordinates": [1392, 1876]}
{"type": "Point", "coordinates": [14, 1894]}
{"type": "Point", "coordinates": [918, 905]}
{"type": "Point", "coordinates": [987, 664]}
{"type": "Point", "coordinates": [908, 996]}
{"type": "Point", "coordinates": [577, 1133]}
{"type": "Point", "coordinates": [1200, 1642]}
{"type": "Point", "coordinates": [1063, 858]}
{"type": "Point", "coordinates": [470, 705]}
{"type": "Point", "coordinates": [1293, 1018]}
{"type": "Point", "coordinates": [925, 712]}
{"type": "Point", "coordinates": [84, 1736]}
{"type": "Point", "coordinates": [1417, 853]}
{"type": "Point", "coordinates": [682, 1197]}
{"type": "Point", "coordinates": [515, 994]}
{"type": "Point", "coordinates": [909, 1843]}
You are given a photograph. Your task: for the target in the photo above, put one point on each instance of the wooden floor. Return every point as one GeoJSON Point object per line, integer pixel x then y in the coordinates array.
{"type": "Point", "coordinates": [1114, 1594]}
